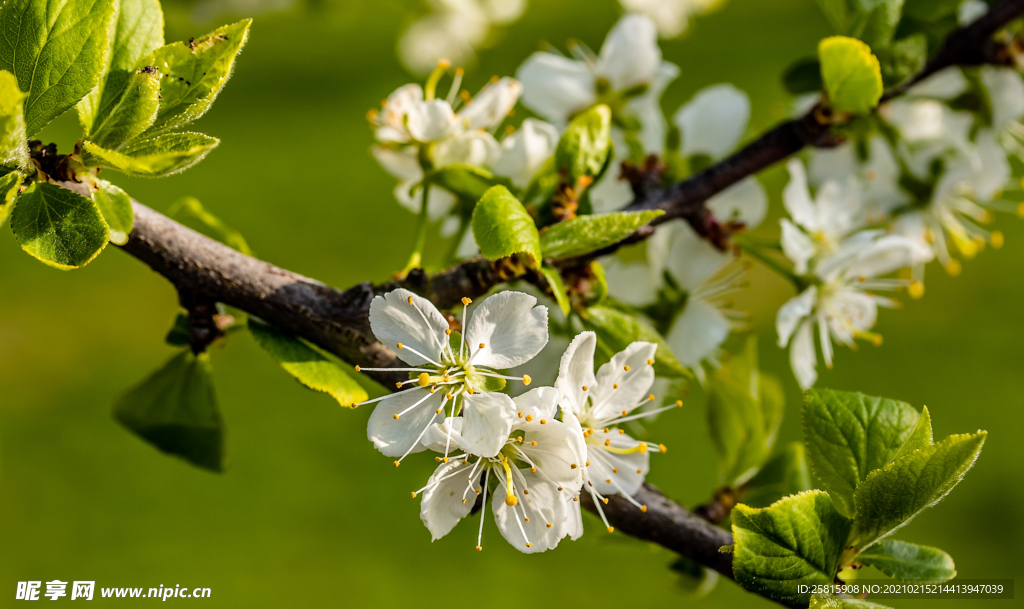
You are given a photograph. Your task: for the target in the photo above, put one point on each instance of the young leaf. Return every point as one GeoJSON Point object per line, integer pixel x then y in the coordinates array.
{"type": "Point", "coordinates": [116, 207]}
{"type": "Point", "coordinates": [57, 51]}
{"type": "Point", "coordinates": [153, 157]}
{"type": "Point", "coordinates": [744, 413]}
{"type": "Point", "coordinates": [909, 562]}
{"type": "Point", "coordinates": [501, 227]}
{"type": "Point", "coordinates": [585, 234]}
{"type": "Point", "coordinates": [837, 13]}
{"type": "Point", "coordinates": [877, 25]}
{"type": "Point", "coordinates": [903, 58]}
{"type": "Point", "coordinates": [466, 182]}
{"type": "Point", "coordinates": [58, 227]}
{"type": "Point", "coordinates": [849, 435]}
{"type": "Point", "coordinates": [138, 30]}
{"type": "Point", "coordinates": [190, 212]}
{"type": "Point", "coordinates": [175, 410]}
{"type": "Point", "coordinates": [616, 330]}
{"type": "Point", "coordinates": [586, 144]}
{"type": "Point", "coordinates": [827, 601]}
{"type": "Point", "coordinates": [180, 330]}
{"type": "Point", "coordinates": [852, 75]}
{"type": "Point", "coordinates": [784, 474]}
{"type": "Point", "coordinates": [13, 142]}
{"type": "Point", "coordinates": [890, 497]}
{"type": "Point", "coordinates": [194, 73]}
{"type": "Point", "coordinates": [133, 114]}
{"type": "Point", "coordinates": [797, 540]}
{"type": "Point", "coordinates": [9, 184]}
{"type": "Point", "coordinates": [554, 279]}
{"type": "Point", "coordinates": [920, 437]}
{"type": "Point", "coordinates": [931, 10]}
{"type": "Point", "coordinates": [803, 76]}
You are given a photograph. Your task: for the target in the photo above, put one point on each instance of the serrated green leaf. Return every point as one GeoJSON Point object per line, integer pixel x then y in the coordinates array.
{"type": "Point", "coordinates": [175, 410]}
{"type": "Point", "coordinates": [920, 437]}
{"type": "Point", "coordinates": [58, 227]}
{"type": "Point", "coordinates": [9, 184]}
{"type": "Point", "coordinates": [194, 73]}
{"type": "Point", "coordinates": [307, 365]}
{"type": "Point", "coordinates": [584, 148]}
{"type": "Point", "coordinates": [138, 31]}
{"type": "Point", "coordinates": [797, 540]}
{"type": "Point", "coordinates": [57, 50]}
{"type": "Point", "coordinates": [892, 496]}
{"type": "Point", "coordinates": [828, 601]}
{"type": "Point", "coordinates": [501, 227]}
{"type": "Point", "coordinates": [849, 435]}
{"type": "Point", "coordinates": [617, 329]}
{"type": "Point", "coordinates": [744, 411]}
{"type": "Point", "coordinates": [903, 58]}
{"type": "Point", "coordinates": [931, 10]}
{"type": "Point", "coordinates": [13, 142]}
{"type": "Point", "coordinates": [554, 279]}
{"type": "Point", "coordinates": [190, 212]}
{"type": "Point", "coordinates": [803, 76]}
{"type": "Point", "coordinates": [784, 474]}
{"type": "Point", "coordinates": [852, 75]}
{"type": "Point", "coordinates": [466, 182]}
{"type": "Point", "coordinates": [153, 157]}
{"type": "Point", "coordinates": [134, 112]}
{"type": "Point", "coordinates": [909, 562]}
{"type": "Point", "coordinates": [585, 234]}
{"type": "Point", "coordinates": [116, 208]}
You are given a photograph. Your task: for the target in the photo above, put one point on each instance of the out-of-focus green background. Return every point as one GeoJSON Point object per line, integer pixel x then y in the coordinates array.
{"type": "Point", "coordinates": [308, 514]}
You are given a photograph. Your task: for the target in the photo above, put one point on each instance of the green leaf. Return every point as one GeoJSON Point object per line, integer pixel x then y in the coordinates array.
{"type": "Point", "coordinates": [176, 411]}
{"type": "Point", "coordinates": [190, 212]}
{"type": "Point", "coordinates": [58, 227]}
{"type": "Point", "coordinates": [617, 329]}
{"type": "Point", "coordinates": [876, 25]}
{"type": "Point", "coordinates": [890, 497]}
{"type": "Point", "coordinates": [852, 75]}
{"type": "Point", "coordinates": [153, 157]}
{"type": "Point", "coordinates": [585, 234]}
{"type": "Point", "coordinates": [903, 58]}
{"type": "Point", "coordinates": [116, 207]}
{"type": "Point", "coordinates": [501, 227]}
{"type": "Point", "coordinates": [585, 146]}
{"type": "Point", "coordinates": [466, 182]}
{"type": "Point", "coordinates": [133, 114]}
{"type": "Point", "coordinates": [178, 335]}
{"type": "Point", "coordinates": [307, 365]}
{"type": "Point", "coordinates": [909, 562]}
{"type": "Point", "coordinates": [827, 601]}
{"type": "Point", "coordinates": [931, 10]}
{"type": "Point", "coordinates": [13, 140]}
{"type": "Point", "coordinates": [797, 540]}
{"type": "Point", "coordinates": [837, 13]}
{"type": "Point", "coordinates": [138, 30]}
{"type": "Point", "coordinates": [803, 76]}
{"type": "Point", "coordinates": [194, 73]}
{"type": "Point", "coordinates": [744, 412]}
{"type": "Point", "coordinates": [57, 50]}
{"type": "Point", "coordinates": [849, 435]}
{"type": "Point", "coordinates": [920, 437]}
{"type": "Point", "coordinates": [554, 279]}
{"type": "Point", "coordinates": [9, 184]}
{"type": "Point", "coordinates": [784, 474]}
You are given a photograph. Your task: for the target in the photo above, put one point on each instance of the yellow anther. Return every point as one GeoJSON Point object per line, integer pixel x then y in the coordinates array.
{"type": "Point", "coordinates": [398, 386]}
{"type": "Point", "coordinates": [494, 79]}
{"type": "Point", "coordinates": [519, 438]}
{"type": "Point", "coordinates": [625, 412]}
{"type": "Point", "coordinates": [615, 386]}
{"type": "Point", "coordinates": [397, 463]}
{"type": "Point", "coordinates": [466, 301]}
{"type": "Point", "coordinates": [572, 465]}
{"type": "Point", "coordinates": [438, 411]}
{"type": "Point", "coordinates": [533, 469]}
{"type": "Point", "coordinates": [509, 130]}
{"type": "Point", "coordinates": [663, 448]}
{"type": "Point", "coordinates": [511, 500]}
{"type": "Point", "coordinates": [463, 501]}
{"type": "Point", "coordinates": [527, 379]}
{"type": "Point", "coordinates": [533, 442]}
{"type": "Point", "coordinates": [520, 415]}
{"type": "Point", "coordinates": [643, 508]}
{"type": "Point", "coordinates": [445, 459]}
{"type": "Point", "coordinates": [549, 525]}
{"type": "Point", "coordinates": [396, 416]}
{"type": "Point", "coordinates": [432, 390]}
{"type": "Point", "coordinates": [410, 300]}
{"type": "Point", "coordinates": [559, 489]}
{"type": "Point", "coordinates": [639, 471]}
{"type": "Point", "coordinates": [996, 239]}
{"type": "Point", "coordinates": [482, 345]}
{"type": "Point", "coordinates": [423, 379]}
{"type": "Point", "coordinates": [413, 494]}
{"type": "Point", "coordinates": [953, 268]}
{"type": "Point", "coordinates": [915, 289]}
{"type": "Point", "coordinates": [650, 362]}
{"type": "Point", "coordinates": [650, 398]}
{"type": "Point", "coordinates": [642, 448]}
{"type": "Point", "coordinates": [575, 498]}
{"type": "Point", "coordinates": [588, 463]}
{"type": "Point", "coordinates": [438, 459]}
{"type": "Point", "coordinates": [1020, 206]}
{"type": "Point", "coordinates": [464, 94]}
{"type": "Point", "coordinates": [372, 114]}
{"type": "Point", "coordinates": [543, 421]}
{"type": "Point", "coordinates": [469, 390]}
{"type": "Point", "coordinates": [607, 442]}
{"type": "Point", "coordinates": [626, 367]}
{"type": "Point", "coordinates": [478, 548]}
{"type": "Point", "coordinates": [679, 403]}
{"type": "Point", "coordinates": [449, 396]}
{"type": "Point", "coordinates": [459, 71]}
{"type": "Point", "coordinates": [448, 331]}
{"type": "Point", "coordinates": [399, 345]}
{"type": "Point", "coordinates": [584, 388]}
{"type": "Point", "coordinates": [446, 378]}
{"type": "Point", "coordinates": [526, 518]}
{"type": "Point", "coordinates": [606, 430]}
{"type": "Point", "coordinates": [615, 470]}
{"type": "Point", "coordinates": [528, 544]}
{"type": "Point", "coordinates": [526, 491]}
{"type": "Point", "coordinates": [357, 368]}
{"type": "Point", "coordinates": [622, 431]}
{"type": "Point", "coordinates": [529, 418]}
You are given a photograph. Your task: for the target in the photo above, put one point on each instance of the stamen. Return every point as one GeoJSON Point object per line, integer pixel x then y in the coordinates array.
{"type": "Point", "coordinates": [390, 395]}
{"type": "Point", "coordinates": [415, 352]}
{"type": "Point", "coordinates": [483, 511]}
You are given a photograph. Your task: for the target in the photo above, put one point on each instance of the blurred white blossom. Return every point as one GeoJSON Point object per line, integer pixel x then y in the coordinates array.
{"type": "Point", "coordinates": [672, 16]}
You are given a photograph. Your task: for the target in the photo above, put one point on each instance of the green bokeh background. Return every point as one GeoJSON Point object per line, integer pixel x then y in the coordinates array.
{"type": "Point", "coordinates": [308, 514]}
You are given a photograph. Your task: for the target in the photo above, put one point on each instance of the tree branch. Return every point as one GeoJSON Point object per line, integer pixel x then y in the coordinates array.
{"type": "Point", "coordinates": [337, 321]}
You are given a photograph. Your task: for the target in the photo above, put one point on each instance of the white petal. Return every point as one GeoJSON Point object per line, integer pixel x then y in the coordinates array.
{"type": "Point", "coordinates": [858, 311]}
{"type": "Point", "coordinates": [543, 506]}
{"type": "Point", "coordinates": [1006, 94]}
{"type": "Point", "coordinates": [692, 259]}
{"type": "Point", "coordinates": [524, 152]}
{"type": "Point", "coordinates": [539, 403]}
{"type": "Point", "coordinates": [446, 436]}
{"type": "Point", "coordinates": [476, 148]}
{"type": "Point", "coordinates": [883, 256]}
{"type": "Point", "coordinates": [630, 282]}
{"type": "Point", "coordinates": [441, 507]}
{"type": "Point", "coordinates": [610, 194]}
{"type": "Point", "coordinates": [445, 35]}
{"type": "Point", "coordinates": [511, 328]}
{"type": "Point", "coordinates": [698, 332]}
{"type": "Point", "coordinates": [556, 87]}
{"type": "Point", "coordinates": [419, 325]}
{"type": "Point", "coordinates": [802, 357]}
{"type": "Point", "coordinates": [633, 384]}
{"type": "Point", "coordinates": [401, 163]}
{"type": "Point", "coordinates": [745, 202]}
{"type": "Point", "coordinates": [491, 105]}
{"type": "Point", "coordinates": [488, 421]}
{"type": "Point", "coordinates": [432, 120]}
{"type": "Point", "coordinates": [504, 11]}
{"type": "Point", "coordinates": [797, 197]}
{"type": "Point", "coordinates": [603, 462]}
{"type": "Point", "coordinates": [790, 314]}
{"type": "Point", "coordinates": [439, 200]}
{"type": "Point", "coordinates": [671, 17]}
{"type": "Point", "coordinates": [392, 116]}
{"type": "Point", "coordinates": [394, 437]}
{"type": "Point", "coordinates": [576, 371]}
{"type": "Point", "coordinates": [560, 446]}
{"type": "Point", "coordinates": [970, 11]}
{"type": "Point", "coordinates": [630, 54]}
{"type": "Point", "coordinates": [833, 163]}
{"type": "Point", "coordinates": [713, 122]}
{"type": "Point", "coordinates": [994, 172]}
{"type": "Point", "coordinates": [797, 246]}
{"type": "Point", "coordinates": [946, 84]}
{"type": "Point", "coordinates": [647, 109]}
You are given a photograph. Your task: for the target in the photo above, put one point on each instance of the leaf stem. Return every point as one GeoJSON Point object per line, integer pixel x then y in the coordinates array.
{"type": "Point", "coordinates": [755, 251]}
{"type": "Point", "coordinates": [416, 258]}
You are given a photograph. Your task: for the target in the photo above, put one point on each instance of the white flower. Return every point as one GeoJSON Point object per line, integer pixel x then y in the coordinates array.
{"type": "Point", "coordinates": [713, 122]}
{"type": "Point", "coordinates": [538, 471]}
{"type": "Point", "coordinates": [696, 267]}
{"type": "Point", "coordinates": [878, 175]}
{"type": "Point", "coordinates": [524, 152]}
{"type": "Point", "coordinates": [672, 16]}
{"type": "Point", "coordinates": [615, 462]}
{"type": "Point", "coordinates": [451, 371]}
{"type": "Point", "coordinates": [842, 304]}
{"type": "Point", "coordinates": [629, 70]}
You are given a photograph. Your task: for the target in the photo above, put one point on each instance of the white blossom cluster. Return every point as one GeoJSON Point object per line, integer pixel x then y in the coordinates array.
{"type": "Point", "coordinates": [540, 449]}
